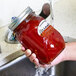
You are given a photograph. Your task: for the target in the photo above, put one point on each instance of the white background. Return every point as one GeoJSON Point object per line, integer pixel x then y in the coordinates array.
{"type": "Point", "coordinates": [64, 12]}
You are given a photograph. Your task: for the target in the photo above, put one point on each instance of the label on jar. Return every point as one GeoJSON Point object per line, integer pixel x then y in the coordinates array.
{"type": "Point", "coordinates": [42, 26]}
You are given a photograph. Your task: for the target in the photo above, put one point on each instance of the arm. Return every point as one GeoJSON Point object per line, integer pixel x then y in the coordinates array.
{"type": "Point", "coordinates": [70, 51]}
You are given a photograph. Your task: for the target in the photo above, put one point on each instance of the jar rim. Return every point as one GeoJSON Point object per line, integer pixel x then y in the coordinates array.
{"type": "Point", "coordinates": [20, 18]}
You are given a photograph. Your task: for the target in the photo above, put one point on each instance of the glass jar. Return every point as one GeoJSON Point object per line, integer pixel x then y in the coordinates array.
{"type": "Point", "coordinates": [34, 33]}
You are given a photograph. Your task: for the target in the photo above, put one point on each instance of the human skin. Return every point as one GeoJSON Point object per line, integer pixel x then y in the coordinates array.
{"type": "Point", "coordinates": [69, 53]}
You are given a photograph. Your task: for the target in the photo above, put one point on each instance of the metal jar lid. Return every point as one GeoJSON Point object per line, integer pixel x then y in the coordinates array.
{"type": "Point", "coordinates": [20, 18]}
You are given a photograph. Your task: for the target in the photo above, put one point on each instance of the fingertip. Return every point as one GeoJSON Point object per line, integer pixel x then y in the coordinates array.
{"type": "Point", "coordinates": [23, 49]}
{"type": "Point", "coordinates": [36, 61]}
{"type": "Point", "coordinates": [28, 52]}
{"type": "Point", "coordinates": [32, 57]}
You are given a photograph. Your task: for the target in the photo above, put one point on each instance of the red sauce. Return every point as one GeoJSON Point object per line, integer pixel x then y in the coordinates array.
{"type": "Point", "coordinates": [46, 46]}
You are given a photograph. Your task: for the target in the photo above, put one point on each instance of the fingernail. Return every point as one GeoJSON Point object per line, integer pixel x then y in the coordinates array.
{"type": "Point", "coordinates": [34, 55]}
{"type": "Point", "coordinates": [23, 49]}
{"type": "Point", "coordinates": [28, 53]}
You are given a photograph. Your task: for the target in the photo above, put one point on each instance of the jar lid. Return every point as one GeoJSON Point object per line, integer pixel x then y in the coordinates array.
{"type": "Point", "coordinates": [20, 18]}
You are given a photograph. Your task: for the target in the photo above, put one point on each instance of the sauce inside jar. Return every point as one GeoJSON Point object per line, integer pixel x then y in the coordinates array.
{"type": "Point", "coordinates": [47, 44]}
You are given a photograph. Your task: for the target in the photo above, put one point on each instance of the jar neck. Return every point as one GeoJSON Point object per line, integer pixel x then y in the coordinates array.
{"type": "Point", "coordinates": [30, 16]}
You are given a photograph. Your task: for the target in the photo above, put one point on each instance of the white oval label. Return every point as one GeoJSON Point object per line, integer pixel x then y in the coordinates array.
{"type": "Point", "coordinates": [42, 26]}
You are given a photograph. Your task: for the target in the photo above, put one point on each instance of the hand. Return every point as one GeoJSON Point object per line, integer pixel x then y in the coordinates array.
{"type": "Point", "coordinates": [32, 57]}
